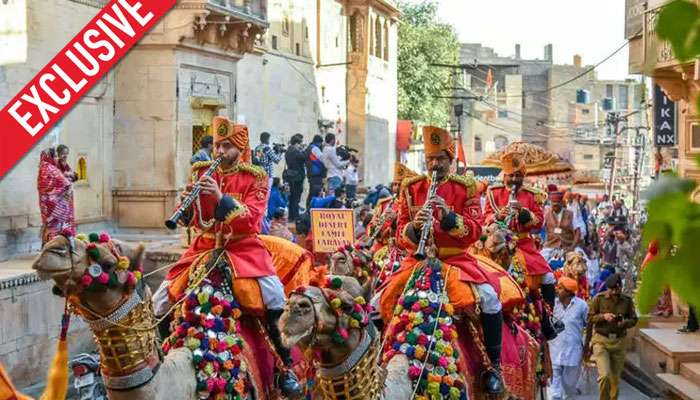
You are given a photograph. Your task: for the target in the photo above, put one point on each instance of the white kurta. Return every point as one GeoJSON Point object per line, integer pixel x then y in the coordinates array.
{"type": "Point", "coordinates": [567, 348]}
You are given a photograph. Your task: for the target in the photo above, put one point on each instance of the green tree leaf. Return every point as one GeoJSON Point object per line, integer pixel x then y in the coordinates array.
{"type": "Point", "coordinates": [424, 40]}
{"type": "Point", "coordinates": [679, 23]}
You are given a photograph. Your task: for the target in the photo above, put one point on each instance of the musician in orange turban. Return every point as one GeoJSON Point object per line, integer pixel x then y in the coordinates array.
{"type": "Point", "coordinates": [520, 206]}
{"type": "Point", "coordinates": [227, 215]}
{"type": "Point", "coordinates": [455, 221]}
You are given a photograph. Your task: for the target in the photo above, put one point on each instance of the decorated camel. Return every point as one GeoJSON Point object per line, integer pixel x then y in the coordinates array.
{"type": "Point", "coordinates": [214, 348]}
{"type": "Point", "coordinates": [331, 325]}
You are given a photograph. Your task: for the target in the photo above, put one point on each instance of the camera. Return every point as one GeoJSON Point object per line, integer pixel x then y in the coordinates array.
{"type": "Point", "coordinates": [279, 148]}
{"type": "Point", "coordinates": [345, 153]}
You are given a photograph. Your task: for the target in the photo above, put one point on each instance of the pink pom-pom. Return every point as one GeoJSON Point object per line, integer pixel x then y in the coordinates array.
{"type": "Point", "coordinates": [443, 361]}
{"type": "Point", "coordinates": [413, 372]}
{"type": "Point", "coordinates": [103, 278]}
{"type": "Point", "coordinates": [221, 346]}
{"type": "Point", "coordinates": [104, 237]}
{"type": "Point", "coordinates": [86, 280]}
{"type": "Point", "coordinates": [415, 307]}
{"type": "Point", "coordinates": [211, 385]}
{"type": "Point", "coordinates": [180, 331]}
{"type": "Point", "coordinates": [131, 279]}
{"type": "Point", "coordinates": [221, 385]}
{"type": "Point", "coordinates": [343, 333]}
{"type": "Point", "coordinates": [208, 323]}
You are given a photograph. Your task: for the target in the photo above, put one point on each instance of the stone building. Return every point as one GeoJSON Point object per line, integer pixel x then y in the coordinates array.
{"type": "Point", "coordinates": [285, 67]}
{"type": "Point", "coordinates": [680, 81]}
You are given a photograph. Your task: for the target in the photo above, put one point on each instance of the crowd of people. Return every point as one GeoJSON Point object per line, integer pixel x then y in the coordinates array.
{"type": "Point", "coordinates": [578, 253]}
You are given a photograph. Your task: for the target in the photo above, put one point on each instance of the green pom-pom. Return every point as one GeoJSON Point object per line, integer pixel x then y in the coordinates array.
{"type": "Point", "coordinates": [356, 316]}
{"type": "Point", "coordinates": [336, 283]}
{"type": "Point", "coordinates": [94, 237]}
{"type": "Point", "coordinates": [337, 338]}
{"type": "Point", "coordinates": [206, 307]}
{"type": "Point", "coordinates": [94, 253]}
{"type": "Point", "coordinates": [411, 338]}
{"type": "Point", "coordinates": [483, 238]}
{"type": "Point", "coordinates": [113, 281]}
{"type": "Point", "coordinates": [201, 385]}
{"type": "Point", "coordinates": [197, 359]}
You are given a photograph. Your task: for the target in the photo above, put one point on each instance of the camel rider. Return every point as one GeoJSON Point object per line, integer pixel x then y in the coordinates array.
{"type": "Point", "coordinates": [385, 211]}
{"type": "Point", "coordinates": [523, 215]}
{"type": "Point", "coordinates": [456, 224]}
{"type": "Point", "coordinates": [227, 216]}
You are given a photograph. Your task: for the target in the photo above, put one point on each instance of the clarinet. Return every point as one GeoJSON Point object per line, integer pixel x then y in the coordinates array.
{"type": "Point", "coordinates": [513, 199]}
{"type": "Point", "coordinates": [171, 223]}
{"type": "Point", "coordinates": [420, 253]}
{"type": "Point", "coordinates": [377, 230]}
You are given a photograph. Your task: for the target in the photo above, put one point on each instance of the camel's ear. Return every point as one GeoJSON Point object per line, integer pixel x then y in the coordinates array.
{"type": "Point", "coordinates": [139, 253]}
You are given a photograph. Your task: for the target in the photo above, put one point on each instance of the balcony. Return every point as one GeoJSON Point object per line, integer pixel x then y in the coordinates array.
{"type": "Point", "coordinates": [235, 26]}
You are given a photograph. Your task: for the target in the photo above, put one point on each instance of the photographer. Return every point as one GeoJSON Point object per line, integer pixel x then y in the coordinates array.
{"type": "Point", "coordinates": [267, 156]}
{"type": "Point", "coordinates": [351, 177]}
{"type": "Point", "coordinates": [610, 315]}
{"type": "Point", "coordinates": [295, 173]}
{"type": "Point", "coordinates": [334, 165]}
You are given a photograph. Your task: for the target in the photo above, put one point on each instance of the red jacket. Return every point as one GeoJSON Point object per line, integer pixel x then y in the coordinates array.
{"type": "Point", "coordinates": [237, 217]}
{"type": "Point", "coordinates": [531, 199]}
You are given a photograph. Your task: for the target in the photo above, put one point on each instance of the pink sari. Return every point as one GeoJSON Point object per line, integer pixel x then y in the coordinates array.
{"type": "Point", "coordinates": [55, 199]}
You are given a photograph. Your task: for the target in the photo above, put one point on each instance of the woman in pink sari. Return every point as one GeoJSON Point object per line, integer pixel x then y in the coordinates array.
{"type": "Point", "coordinates": [55, 198]}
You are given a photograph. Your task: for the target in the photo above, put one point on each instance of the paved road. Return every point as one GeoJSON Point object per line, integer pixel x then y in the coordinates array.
{"type": "Point", "coordinates": [590, 391]}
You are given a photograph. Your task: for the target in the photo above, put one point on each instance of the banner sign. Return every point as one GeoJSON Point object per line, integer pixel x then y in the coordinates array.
{"type": "Point", "coordinates": [332, 228]}
{"type": "Point", "coordinates": [664, 119]}
{"type": "Point", "coordinates": [73, 72]}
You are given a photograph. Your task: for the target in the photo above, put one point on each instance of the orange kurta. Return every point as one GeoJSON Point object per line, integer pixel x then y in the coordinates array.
{"type": "Point", "coordinates": [236, 218]}
{"type": "Point", "coordinates": [498, 197]}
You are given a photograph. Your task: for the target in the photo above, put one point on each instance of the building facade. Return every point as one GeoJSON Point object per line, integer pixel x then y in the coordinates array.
{"type": "Point", "coordinates": [680, 81]}
{"type": "Point", "coordinates": [285, 67]}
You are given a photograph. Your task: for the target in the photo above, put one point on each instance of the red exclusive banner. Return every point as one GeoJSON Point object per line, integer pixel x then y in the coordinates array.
{"type": "Point", "coordinates": [72, 73]}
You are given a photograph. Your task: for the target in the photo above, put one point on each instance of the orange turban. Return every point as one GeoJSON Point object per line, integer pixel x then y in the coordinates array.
{"type": "Point", "coordinates": [237, 134]}
{"type": "Point", "coordinates": [402, 172]}
{"type": "Point", "coordinates": [569, 284]}
{"type": "Point", "coordinates": [435, 140]}
{"type": "Point", "coordinates": [512, 162]}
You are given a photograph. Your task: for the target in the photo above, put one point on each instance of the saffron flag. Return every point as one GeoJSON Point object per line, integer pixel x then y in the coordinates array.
{"type": "Point", "coordinates": [73, 72]}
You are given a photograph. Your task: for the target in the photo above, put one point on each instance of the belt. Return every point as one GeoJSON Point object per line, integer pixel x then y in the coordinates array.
{"type": "Point", "coordinates": [611, 335]}
{"type": "Point", "coordinates": [229, 236]}
{"type": "Point", "coordinates": [450, 251]}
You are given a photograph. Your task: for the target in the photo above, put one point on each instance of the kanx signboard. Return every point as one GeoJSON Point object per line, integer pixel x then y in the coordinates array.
{"type": "Point", "coordinates": [664, 119]}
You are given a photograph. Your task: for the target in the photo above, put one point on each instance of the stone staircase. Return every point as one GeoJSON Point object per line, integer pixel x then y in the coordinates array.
{"type": "Point", "coordinates": [671, 360]}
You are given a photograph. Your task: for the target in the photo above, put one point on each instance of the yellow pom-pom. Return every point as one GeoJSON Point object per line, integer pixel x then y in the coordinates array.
{"type": "Point", "coordinates": [360, 300]}
{"type": "Point", "coordinates": [82, 237]}
{"type": "Point", "coordinates": [137, 275]}
{"type": "Point", "coordinates": [123, 263]}
{"type": "Point", "coordinates": [336, 303]}
{"type": "Point", "coordinates": [354, 323]}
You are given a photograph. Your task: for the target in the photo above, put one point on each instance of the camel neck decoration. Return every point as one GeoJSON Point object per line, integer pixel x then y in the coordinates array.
{"type": "Point", "coordinates": [206, 325]}
{"type": "Point", "coordinates": [423, 330]}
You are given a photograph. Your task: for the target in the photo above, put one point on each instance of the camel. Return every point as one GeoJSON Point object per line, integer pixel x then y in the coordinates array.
{"type": "Point", "coordinates": [173, 377]}
{"type": "Point", "coordinates": [310, 322]}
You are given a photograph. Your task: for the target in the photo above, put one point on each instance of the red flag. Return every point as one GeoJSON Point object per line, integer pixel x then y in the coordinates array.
{"type": "Point", "coordinates": [461, 156]}
{"type": "Point", "coordinates": [489, 79]}
{"type": "Point", "coordinates": [73, 72]}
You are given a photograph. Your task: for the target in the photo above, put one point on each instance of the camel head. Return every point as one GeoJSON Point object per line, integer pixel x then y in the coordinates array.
{"type": "Point", "coordinates": [313, 316]}
{"type": "Point", "coordinates": [66, 261]}
{"type": "Point", "coordinates": [495, 244]}
{"type": "Point", "coordinates": [351, 261]}
{"type": "Point", "coordinates": [575, 265]}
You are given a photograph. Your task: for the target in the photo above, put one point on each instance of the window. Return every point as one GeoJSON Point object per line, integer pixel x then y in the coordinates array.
{"type": "Point", "coordinates": [609, 91]}
{"type": "Point", "coordinates": [274, 42]}
{"type": "Point", "coordinates": [306, 32]}
{"type": "Point", "coordinates": [371, 35]}
{"type": "Point", "coordinates": [500, 142]}
{"type": "Point", "coordinates": [588, 156]}
{"type": "Point", "coordinates": [337, 42]}
{"type": "Point", "coordinates": [82, 167]}
{"type": "Point", "coordinates": [477, 143]}
{"type": "Point", "coordinates": [298, 49]}
{"type": "Point", "coordinates": [695, 136]}
{"type": "Point", "coordinates": [624, 97]}
{"type": "Point", "coordinates": [502, 113]}
{"type": "Point", "coordinates": [386, 41]}
{"type": "Point", "coordinates": [585, 111]}
{"type": "Point", "coordinates": [377, 38]}
{"type": "Point", "coordinates": [285, 26]}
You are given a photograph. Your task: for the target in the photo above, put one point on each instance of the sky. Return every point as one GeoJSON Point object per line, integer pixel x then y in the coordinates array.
{"type": "Point", "coordinates": [591, 28]}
